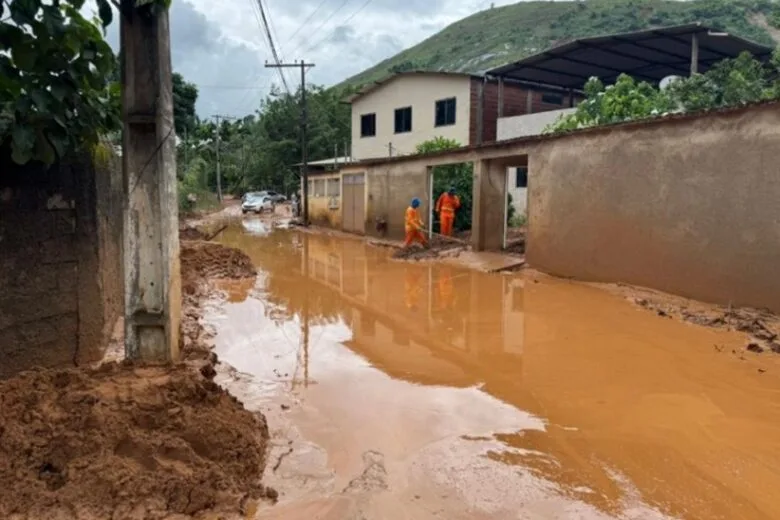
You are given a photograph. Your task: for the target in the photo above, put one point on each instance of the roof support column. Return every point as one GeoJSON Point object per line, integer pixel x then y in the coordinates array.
{"type": "Point", "coordinates": [694, 54]}
{"type": "Point", "coordinates": [500, 96]}
{"type": "Point", "coordinates": [489, 203]}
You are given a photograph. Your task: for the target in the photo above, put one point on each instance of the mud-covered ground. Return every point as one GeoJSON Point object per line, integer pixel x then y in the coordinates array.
{"type": "Point", "coordinates": [126, 441]}
{"type": "Point", "coordinates": [761, 326]}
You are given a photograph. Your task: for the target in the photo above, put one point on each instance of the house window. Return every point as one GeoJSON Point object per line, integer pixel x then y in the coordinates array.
{"type": "Point", "coordinates": [521, 177]}
{"type": "Point", "coordinates": [552, 99]}
{"type": "Point", "coordinates": [368, 125]}
{"type": "Point", "coordinates": [334, 187]}
{"type": "Point", "coordinates": [403, 120]}
{"type": "Point", "coordinates": [319, 188]}
{"type": "Point", "coordinates": [445, 112]}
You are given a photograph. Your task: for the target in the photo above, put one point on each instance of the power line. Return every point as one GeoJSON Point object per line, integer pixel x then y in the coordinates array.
{"type": "Point", "coordinates": [269, 41]}
{"type": "Point", "coordinates": [304, 121]}
{"type": "Point", "coordinates": [314, 31]}
{"type": "Point", "coordinates": [308, 18]}
{"type": "Point", "coordinates": [271, 44]}
{"type": "Point", "coordinates": [350, 17]}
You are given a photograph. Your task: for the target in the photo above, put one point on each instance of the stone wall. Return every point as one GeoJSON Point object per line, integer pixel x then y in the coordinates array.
{"type": "Point", "coordinates": [685, 205]}
{"type": "Point", "coordinates": [60, 274]}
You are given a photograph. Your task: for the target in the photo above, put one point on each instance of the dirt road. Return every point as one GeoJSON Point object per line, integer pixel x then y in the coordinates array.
{"type": "Point", "coordinates": [397, 390]}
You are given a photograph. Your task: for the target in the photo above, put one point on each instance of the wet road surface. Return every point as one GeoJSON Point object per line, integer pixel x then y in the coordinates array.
{"type": "Point", "coordinates": [398, 390]}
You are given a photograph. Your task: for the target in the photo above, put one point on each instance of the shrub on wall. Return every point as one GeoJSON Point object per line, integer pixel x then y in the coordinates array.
{"type": "Point", "coordinates": [731, 82]}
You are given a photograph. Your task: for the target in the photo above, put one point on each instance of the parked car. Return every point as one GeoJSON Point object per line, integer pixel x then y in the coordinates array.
{"type": "Point", "coordinates": [276, 197]}
{"type": "Point", "coordinates": [252, 194]}
{"type": "Point", "coordinates": [257, 204]}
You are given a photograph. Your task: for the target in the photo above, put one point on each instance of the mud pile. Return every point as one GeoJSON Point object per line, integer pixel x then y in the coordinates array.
{"type": "Point", "coordinates": [206, 260]}
{"type": "Point", "coordinates": [200, 263]}
{"type": "Point", "coordinates": [125, 442]}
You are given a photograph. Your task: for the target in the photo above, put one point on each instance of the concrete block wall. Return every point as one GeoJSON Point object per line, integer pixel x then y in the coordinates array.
{"type": "Point", "coordinates": [60, 278]}
{"type": "Point", "coordinates": [687, 206]}
{"type": "Point", "coordinates": [390, 191]}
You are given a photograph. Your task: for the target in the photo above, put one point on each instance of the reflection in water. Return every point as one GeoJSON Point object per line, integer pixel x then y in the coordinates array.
{"type": "Point", "coordinates": [630, 399]}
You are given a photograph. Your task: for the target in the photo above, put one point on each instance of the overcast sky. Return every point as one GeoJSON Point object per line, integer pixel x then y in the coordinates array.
{"type": "Point", "coordinates": [220, 44]}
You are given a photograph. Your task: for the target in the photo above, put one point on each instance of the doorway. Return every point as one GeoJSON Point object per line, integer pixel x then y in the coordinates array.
{"type": "Point", "coordinates": [353, 193]}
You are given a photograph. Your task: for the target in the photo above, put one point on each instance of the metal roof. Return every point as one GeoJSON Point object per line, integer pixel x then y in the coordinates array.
{"type": "Point", "coordinates": [646, 55]}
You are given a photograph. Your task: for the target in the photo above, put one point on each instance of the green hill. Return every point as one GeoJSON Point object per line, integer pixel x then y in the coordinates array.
{"type": "Point", "coordinates": [505, 34]}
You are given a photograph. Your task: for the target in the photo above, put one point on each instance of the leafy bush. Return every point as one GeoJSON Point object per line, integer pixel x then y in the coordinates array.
{"type": "Point", "coordinates": [731, 82]}
{"type": "Point", "coordinates": [55, 70]}
{"type": "Point", "coordinates": [460, 176]}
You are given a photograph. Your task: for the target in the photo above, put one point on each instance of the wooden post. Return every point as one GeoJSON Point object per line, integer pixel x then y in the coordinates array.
{"type": "Point", "coordinates": [500, 96]}
{"type": "Point", "coordinates": [694, 54]}
{"type": "Point", "coordinates": [152, 279]}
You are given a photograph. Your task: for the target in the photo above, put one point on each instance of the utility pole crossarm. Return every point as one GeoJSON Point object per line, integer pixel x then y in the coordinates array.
{"type": "Point", "coordinates": [304, 123]}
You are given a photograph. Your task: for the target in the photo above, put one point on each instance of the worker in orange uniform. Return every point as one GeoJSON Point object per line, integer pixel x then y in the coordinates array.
{"type": "Point", "coordinates": [446, 207]}
{"type": "Point", "coordinates": [413, 225]}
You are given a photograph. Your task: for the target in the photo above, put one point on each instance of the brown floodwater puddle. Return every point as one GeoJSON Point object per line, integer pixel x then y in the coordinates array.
{"type": "Point", "coordinates": [401, 390]}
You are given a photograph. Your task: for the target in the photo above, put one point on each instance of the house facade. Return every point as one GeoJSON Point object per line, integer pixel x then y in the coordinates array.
{"type": "Point", "coordinates": [393, 116]}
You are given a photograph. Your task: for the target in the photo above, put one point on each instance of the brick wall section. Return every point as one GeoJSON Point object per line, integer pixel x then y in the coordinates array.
{"type": "Point", "coordinates": [515, 100]}
{"type": "Point", "coordinates": [59, 262]}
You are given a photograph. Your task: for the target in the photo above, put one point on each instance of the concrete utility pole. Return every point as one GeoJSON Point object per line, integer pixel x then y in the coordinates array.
{"type": "Point", "coordinates": [219, 173]}
{"type": "Point", "coordinates": [152, 279]}
{"type": "Point", "coordinates": [304, 122]}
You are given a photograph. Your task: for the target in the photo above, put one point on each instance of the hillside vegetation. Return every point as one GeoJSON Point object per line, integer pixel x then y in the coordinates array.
{"type": "Point", "coordinates": [505, 34]}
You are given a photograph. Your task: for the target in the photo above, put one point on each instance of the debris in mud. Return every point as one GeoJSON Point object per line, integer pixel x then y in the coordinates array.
{"type": "Point", "coordinates": [123, 441]}
{"type": "Point", "coordinates": [755, 347]}
{"type": "Point", "coordinates": [438, 247]}
{"type": "Point", "coordinates": [762, 326]}
{"type": "Point", "coordinates": [191, 233]}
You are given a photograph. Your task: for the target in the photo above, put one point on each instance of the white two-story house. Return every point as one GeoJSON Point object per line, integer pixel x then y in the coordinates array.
{"type": "Point", "coordinates": [391, 117]}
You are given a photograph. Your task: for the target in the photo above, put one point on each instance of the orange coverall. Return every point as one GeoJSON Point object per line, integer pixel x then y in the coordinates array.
{"type": "Point", "coordinates": [412, 225]}
{"type": "Point", "coordinates": [446, 207]}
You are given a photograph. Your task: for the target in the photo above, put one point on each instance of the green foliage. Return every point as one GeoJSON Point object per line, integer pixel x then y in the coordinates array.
{"type": "Point", "coordinates": [55, 96]}
{"type": "Point", "coordinates": [731, 82]}
{"type": "Point", "coordinates": [261, 151]}
{"type": "Point", "coordinates": [185, 94]}
{"type": "Point", "coordinates": [505, 34]}
{"type": "Point", "coordinates": [460, 176]}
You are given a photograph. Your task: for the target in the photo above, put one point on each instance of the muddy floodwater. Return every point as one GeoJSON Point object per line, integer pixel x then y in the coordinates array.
{"type": "Point", "coordinates": [396, 390]}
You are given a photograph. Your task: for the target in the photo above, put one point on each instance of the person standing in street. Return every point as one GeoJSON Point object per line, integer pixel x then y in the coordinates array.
{"type": "Point", "coordinates": [446, 206]}
{"type": "Point", "coordinates": [413, 225]}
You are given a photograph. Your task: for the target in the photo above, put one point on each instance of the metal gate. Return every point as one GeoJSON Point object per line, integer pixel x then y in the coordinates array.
{"type": "Point", "coordinates": [353, 193]}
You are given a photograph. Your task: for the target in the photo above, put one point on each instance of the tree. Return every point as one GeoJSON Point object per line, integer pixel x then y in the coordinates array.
{"type": "Point", "coordinates": [55, 89]}
{"type": "Point", "coordinates": [185, 95]}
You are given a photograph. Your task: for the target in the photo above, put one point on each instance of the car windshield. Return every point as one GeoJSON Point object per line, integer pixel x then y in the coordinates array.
{"type": "Point", "coordinates": [254, 198]}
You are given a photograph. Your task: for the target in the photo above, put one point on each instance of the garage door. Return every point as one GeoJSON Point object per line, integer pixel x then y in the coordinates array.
{"type": "Point", "coordinates": [353, 193]}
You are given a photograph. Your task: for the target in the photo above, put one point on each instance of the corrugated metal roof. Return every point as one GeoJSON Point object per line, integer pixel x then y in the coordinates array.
{"type": "Point", "coordinates": [649, 55]}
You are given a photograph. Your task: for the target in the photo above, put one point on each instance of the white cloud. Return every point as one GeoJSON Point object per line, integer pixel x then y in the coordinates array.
{"type": "Point", "coordinates": [221, 44]}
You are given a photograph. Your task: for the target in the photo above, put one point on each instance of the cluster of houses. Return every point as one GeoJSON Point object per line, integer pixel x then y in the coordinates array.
{"type": "Point", "coordinates": [391, 117]}
{"type": "Point", "coordinates": [513, 102]}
